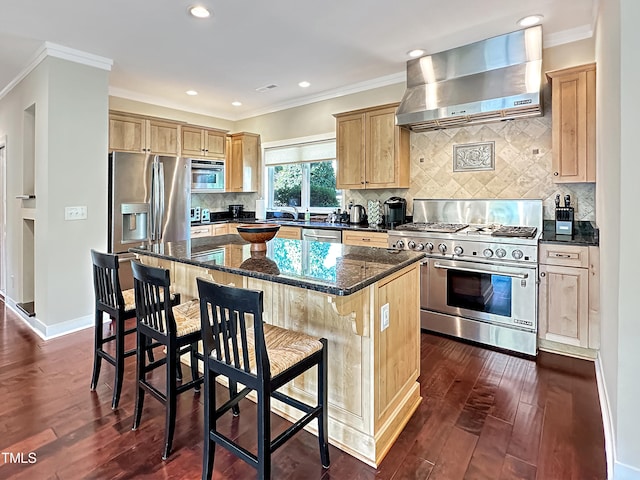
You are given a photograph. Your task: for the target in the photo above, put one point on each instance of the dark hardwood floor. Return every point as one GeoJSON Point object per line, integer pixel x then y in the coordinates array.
{"type": "Point", "coordinates": [484, 415]}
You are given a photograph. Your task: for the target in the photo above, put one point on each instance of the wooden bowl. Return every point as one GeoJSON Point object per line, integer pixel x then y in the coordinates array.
{"type": "Point", "coordinates": [258, 234]}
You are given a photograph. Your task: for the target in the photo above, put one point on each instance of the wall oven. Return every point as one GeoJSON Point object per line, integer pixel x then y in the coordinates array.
{"type": "Point", "coordinates": [207, 176]}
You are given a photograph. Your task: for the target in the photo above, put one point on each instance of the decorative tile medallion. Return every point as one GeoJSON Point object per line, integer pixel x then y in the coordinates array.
{"type": "Point", "coordinates": [473, 157]}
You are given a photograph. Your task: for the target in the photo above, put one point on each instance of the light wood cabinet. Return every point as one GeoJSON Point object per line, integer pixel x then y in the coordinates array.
{"type": "Point", "coordinates": [203, 142]}
{"type": "Point", "coordinates": [293, 233]}
{"type": "Point", "coordinates": [210, 230]}
{"type": "Point", "coordinates": [365, 239]}
{"type": "Point", "coordinates": [243, 162]}
{"type": "Point", "coordinates": [573, 104]}
{"type": "Point", "coordinates": [201, 231]}
{"type": "Point", "coordinates": [568, 299]}
{"type": "Point", "coordinates": [132, 133]}
{"type": "Point", "coordinates": [372, 152]}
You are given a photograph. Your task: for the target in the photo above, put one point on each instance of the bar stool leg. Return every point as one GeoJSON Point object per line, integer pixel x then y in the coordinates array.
{"type": "Point", "coordinates": [117, 387]}
{"type": "Point", "coordinates": [97, 347]}
{"type": "Point", "coordinates": [141, 341]}
{"type": "Point", "coordinates": [209, 446]}
{"type": "Point", "coordinates": [323, 402]}
{"type": "Point", "coordinates": [264, 433]}
{"type": "Point", "coordinates": [194, 364]}
{"type": "Point", "coordinates": [171, 399]}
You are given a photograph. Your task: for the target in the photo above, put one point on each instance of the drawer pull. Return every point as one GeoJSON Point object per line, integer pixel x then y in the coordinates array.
{"type": "Point", "coordinates": [562, 255]}
{"type": "Point", "coordinates": [366, 239]}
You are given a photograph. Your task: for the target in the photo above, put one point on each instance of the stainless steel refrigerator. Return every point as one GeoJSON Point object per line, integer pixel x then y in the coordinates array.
{"type": "Point", "coordinates": [149, 200]}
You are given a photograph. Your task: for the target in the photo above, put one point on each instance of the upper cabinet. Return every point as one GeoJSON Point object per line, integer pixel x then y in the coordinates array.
{"type": "Point", "coordinates": [203, 142]}
{"type": "Point", "coordinates": [573, 104]}
{"type": "Point", "coordinates": [131, 133]}
{"type": "Point", "coordinates": [243, 162]}
{"type": "Point", "coordinates": [372, 152]}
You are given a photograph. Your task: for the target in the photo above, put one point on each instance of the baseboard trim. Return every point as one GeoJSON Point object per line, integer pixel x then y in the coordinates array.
{"type": "Point", "coordinates": [47, 332]}
{"type": "Point", "coordinates": [607, 421]}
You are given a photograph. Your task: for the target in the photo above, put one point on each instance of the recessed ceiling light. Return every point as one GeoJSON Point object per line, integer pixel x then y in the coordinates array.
{"type": "Point", "coordinates": [304, 84]}
{"type": "Point", "coordinates": [191, 92]}
{"type": "Point", "coordinates": [236, 104]}
{"type": "Point", "coordinates": [199, 11]}
{"type": "Point", "coordinates": [530, 20]}
{"type": "Point", "coordinates": [415, 53]}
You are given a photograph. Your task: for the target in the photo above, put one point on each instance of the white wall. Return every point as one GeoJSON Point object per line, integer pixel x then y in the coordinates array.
{"type": "Point", "coordinates": [71, 125]}
{"type": "Point", "coordinates": [618, 196]}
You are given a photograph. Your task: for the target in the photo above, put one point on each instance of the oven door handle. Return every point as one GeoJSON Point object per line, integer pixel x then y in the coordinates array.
{"type": "Point", "coordinates": [479, 270]}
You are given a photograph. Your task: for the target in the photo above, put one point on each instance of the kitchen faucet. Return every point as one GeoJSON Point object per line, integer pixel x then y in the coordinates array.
{"type": "Point", "coordinates": [292, 210]}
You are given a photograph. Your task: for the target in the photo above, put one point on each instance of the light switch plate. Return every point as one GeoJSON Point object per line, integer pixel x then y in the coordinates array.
{"type": "Point", "coordinates": [75, 213]}
{"type": "Point", "coordinates": [384, 317]}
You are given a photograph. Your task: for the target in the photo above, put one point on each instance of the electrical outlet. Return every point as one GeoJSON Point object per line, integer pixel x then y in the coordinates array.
{"type": "Point", "coordinates": [75, 213]}
{"type": "Point", "coordinates": [384, 317]}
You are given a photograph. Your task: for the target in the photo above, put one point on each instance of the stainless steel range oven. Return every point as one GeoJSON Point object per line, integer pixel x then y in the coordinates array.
{"type": "Point", "coordinates": [479, 280]}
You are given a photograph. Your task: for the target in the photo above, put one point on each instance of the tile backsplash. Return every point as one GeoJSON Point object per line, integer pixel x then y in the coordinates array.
{"type": "Point", "coordinates": [219, 202]}
{"type": "Point", "coordinates": [522, 168]}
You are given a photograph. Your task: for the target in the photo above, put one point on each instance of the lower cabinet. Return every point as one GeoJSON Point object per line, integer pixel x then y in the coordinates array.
{"type": "Point", "coordinates": [210, 230]}
{"type": "Point", "coordinates": [365, 239]}
{"type": "Point", "coordinates": [201, 231]}
{"type": "Point", "coordinates": [293, 233]}
{"type": "Point", "coordinates": [568, 299]}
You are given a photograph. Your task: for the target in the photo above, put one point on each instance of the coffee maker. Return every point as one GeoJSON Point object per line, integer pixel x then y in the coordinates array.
{"type": "Point", "coordinates": [395, 212]}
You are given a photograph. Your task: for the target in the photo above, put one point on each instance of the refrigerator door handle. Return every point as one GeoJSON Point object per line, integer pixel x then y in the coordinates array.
{"type": "Point", "coordinates": [161, 199]}
{"type": "Point", "coordinates": [154, 200]}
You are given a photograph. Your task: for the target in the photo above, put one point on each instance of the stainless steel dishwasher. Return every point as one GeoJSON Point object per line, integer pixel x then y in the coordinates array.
{"type": "Point", "coordinates": [321, 235]}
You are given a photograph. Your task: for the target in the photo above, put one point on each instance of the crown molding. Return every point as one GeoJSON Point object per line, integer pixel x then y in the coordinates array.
{"type": "Point", "coordinates": [567, 36]}
{"type": "Point", "coordinates": [161, 102]}
{"type": "Point", "coordinates": [329, 94]}
{"type": "Point", "coordinates": [326, 95]}
{"type": "Point", "coordinates": [48, 49]}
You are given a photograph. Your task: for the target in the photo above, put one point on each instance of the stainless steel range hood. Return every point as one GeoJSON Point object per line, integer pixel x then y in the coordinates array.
{"type": "Point", "coordinates": [487, 81]}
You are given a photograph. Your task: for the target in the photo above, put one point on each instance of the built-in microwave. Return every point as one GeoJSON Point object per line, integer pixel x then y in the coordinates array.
{"type": "Point", "coordinates": [207, 176]}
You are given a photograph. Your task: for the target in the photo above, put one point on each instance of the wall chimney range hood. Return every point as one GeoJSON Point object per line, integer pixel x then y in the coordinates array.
{"type": "Point", "coordinates": [487, 81]}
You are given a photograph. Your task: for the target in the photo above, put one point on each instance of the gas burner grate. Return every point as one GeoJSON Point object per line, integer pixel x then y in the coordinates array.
{"type": "Point", "coordinates": [432, 227]}
{"type": "Point", "coordinates": [515, 231]}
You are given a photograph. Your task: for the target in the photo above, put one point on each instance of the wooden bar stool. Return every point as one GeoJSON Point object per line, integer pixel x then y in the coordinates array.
{"type": "Point", "coordinates": [262, 358]}
{"type": "Point", "coordinates": [178, 329]}
{"type": "Point", "coordinates": [120, 306]}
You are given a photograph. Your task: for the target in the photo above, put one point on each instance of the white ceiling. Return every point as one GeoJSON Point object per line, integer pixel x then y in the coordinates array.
{"type": "Point", "coordinates": [159, 51]}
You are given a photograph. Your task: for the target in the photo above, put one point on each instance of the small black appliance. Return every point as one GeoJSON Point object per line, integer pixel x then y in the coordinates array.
{"type": "Point", "coordinates": [395, 212]}
{"type": "Point", "coordinates": [236, 210]}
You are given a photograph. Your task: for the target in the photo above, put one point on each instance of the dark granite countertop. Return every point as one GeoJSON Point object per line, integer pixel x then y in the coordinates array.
{"type": "Point", "coordinates": [299, 223]}
{"type": "Point", "coordinates": [332, 268]}
{"type": "Point", "coordinates": [584, 233]}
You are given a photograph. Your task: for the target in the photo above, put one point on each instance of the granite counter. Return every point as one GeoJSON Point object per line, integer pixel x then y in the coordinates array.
{"type": "Point", "coordinates": [331, 268]}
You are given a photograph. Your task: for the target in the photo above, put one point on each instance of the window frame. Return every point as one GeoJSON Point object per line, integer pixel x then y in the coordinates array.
{"type": "Point", "coordinates": [305, 199]}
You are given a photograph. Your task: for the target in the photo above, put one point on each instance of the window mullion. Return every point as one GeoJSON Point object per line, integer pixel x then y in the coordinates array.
{"type": "Point", "coordinates": [306, 185]}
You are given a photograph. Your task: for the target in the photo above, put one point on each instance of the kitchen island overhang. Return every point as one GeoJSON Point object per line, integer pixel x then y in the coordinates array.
{"type": "Point", "coordinates": [339, 292]}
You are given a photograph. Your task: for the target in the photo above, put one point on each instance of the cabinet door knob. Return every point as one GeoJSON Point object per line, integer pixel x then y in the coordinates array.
{"type": "Point", "coordinates": [543, 274]}
{"type": "Point", "coordinates": [555, 174]}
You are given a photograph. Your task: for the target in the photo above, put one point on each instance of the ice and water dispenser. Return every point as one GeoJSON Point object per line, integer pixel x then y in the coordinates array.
{"type": "Point", "coordinates": [135, 218]}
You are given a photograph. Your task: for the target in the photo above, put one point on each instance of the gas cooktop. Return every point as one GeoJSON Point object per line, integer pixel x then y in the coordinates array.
{"type": "Point", "coordinates": [432, 227]}
{"type": "Point", "coordinates": [494, 230]}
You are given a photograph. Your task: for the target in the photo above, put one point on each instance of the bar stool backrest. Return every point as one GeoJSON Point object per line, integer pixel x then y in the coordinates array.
{"type": "Point", "coordinates": [106, 282]}
{"type": "Point", "coordinates": [229, 317]}
{"type": "Point", "coordinates": [151, 286]}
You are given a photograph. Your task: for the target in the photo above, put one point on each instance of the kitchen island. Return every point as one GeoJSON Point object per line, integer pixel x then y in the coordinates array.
{"type": "Point", "coordinates": [364, 300]}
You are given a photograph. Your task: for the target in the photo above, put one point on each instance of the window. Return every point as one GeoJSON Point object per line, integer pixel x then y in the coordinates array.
{"type": "Point", "coordinates": [302, 175]}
